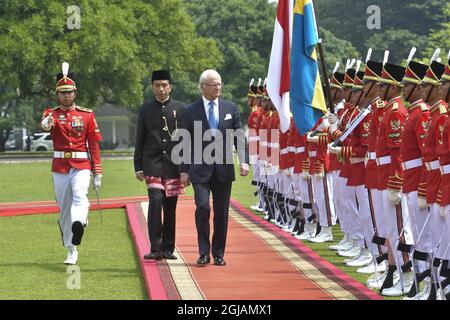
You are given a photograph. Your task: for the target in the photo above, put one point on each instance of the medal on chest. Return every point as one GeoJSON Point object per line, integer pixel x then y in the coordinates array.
{"type": "Point", "coordinates": [77, 123]}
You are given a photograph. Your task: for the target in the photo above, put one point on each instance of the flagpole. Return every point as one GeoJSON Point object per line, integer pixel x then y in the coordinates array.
{"type": "Point", "coordinates": [323, 65]}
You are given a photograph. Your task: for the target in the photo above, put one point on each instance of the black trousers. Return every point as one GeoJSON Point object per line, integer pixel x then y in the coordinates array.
{"type": "Point", "coordinates": [161, 233]}
{"type": "Point", "coordinates": [221, 199]}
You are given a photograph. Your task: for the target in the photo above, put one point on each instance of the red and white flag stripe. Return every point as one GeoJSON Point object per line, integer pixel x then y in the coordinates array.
{"type": "Point", "coordinates": [278, 78]}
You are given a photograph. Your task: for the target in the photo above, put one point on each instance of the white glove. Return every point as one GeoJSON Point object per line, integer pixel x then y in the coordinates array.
{"type": "Point", "coordinates": [291, 171]}
{"type": "Point", "coordinates": [422, 203]}
{"type": "Point", "coordinates": [325, 123]}
{"type": "Point", "coordinates": [319, 176]}
{"type": "Point", "coordinates": [333, 127]}
{"type": "Point", "coordinates": [332, 118]}
{"type": "Point", "coordinates": [334, 150]}
{"type": "Point", "coordinates": [395, 196]}
{"type": "Point", "coordinates": [305, 175]}
{"type": "Point", "coordinates": [442, 211]}
{"type": "Point", "coordinates": [47, 123]}
{"type": "Point", "coordinates": [97, 181]}
{"type": "Point", "coordinates": [313, 139]}
{"type": "Point", "coordinates": [286, 172]}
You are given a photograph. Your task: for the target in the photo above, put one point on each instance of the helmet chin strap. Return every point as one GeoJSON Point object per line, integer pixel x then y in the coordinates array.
{"type": "Point", "coordinates": [447, 96]}
{"type": "Point", "coordinates": [370, 89]}
{"type": "Point", "coordinates": [410, 92]}
{"type": "Point", "coordinates": [386, 93]}
{"type": "Point", "coordinates": [429, 93]}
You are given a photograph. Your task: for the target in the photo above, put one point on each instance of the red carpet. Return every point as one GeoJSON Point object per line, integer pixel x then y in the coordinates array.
{"type": "Point", "coordinates": [262, 263]}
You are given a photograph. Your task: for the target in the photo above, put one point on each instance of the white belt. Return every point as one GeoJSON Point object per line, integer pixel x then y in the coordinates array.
{"type": "Point", "coordinates": [284, 151]}
{"type": "Point", "coordinates": [275, 145]}
{"type": "Point", "coordinates": [251, 139]}
{"type": "Point", "coordinates": [432, 165]}
{"type": "Point", "coordinates": [300, 150]}
{"type": "Point", "coordinates": [383, 160]}
{"type": "Point", "coordinates": [371, 156]}
{"type": "Point", "coordinates": [70, 155]}
{"type": "Point", "coordinates": [356, 160]}
{"type": "Point", "coordinates": [263, 144]}
{"type": "Point", "coordinates": [312, 154]}
{"type": "Point", "coordinates": [291, 149]}
{"type": "Point", "coordinates": [411, 164]}
{"type": "Point", "coordinates": [445, 169]}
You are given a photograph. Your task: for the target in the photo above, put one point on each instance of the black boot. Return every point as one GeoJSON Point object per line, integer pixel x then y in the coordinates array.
{"type": "Point", "coordinates": [432, 295]}
{"type": "Point", "coordinates": [389, 280]}
{"type": "Point", "coordinates": [297, 226]}
{"type": "Point", "coordinates": [413, 292]}
{"type": "Point", "coordinates": [301, 227]}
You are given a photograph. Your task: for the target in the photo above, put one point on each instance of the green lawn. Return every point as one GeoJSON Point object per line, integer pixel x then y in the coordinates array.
{"type": "Point", "coordinates": [112, 270]}
{"type": "Point", "coordinates": [32, 255]}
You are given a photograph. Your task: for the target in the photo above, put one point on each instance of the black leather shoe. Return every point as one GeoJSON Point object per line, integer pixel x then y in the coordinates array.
{"type": "Point", "coordinates": [77, 230]}
{"type": "Point", "coordinates": [203, 260]}
{"type": "Point", "coordinates": [153, 256]}
{"type": "Point", "coordinates": [219, 261]}
{"type": "Point", "coordinates": [169, 256]}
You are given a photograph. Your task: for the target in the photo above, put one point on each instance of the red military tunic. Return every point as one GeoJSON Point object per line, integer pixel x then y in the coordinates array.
{"type": "Point", "coordinates": [300, 154]}
{"type": "Point", "coordinates": [318, 152]}
{"type": "Point", "coordinates": [291, 144]}
{"type": "Point", "coordinates": [354, 153]}
{"type": "Point", "coordinates": [263, 136]}
{"type": "Point", "coordinates": [430, 156]}
{"type": "Point", "coordinates": [388, 146]}
{"type": "Point", "coordinates": [373, 123]}
{"type": "Point", "coordinates": [443, 151]}
{"type": "Point", "coordinates": [413, 135]}
{"type": "Point", "coordinates": [347, 117]}
{"type": "Point", "coordinates": [253, 136]}
{"type": "Point", "coordinates": [75, 130]}
{"type": "Point", "coordinates": [274, 140]}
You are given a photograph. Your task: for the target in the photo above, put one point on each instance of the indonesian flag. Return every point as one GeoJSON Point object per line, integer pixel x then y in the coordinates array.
{"type": "Point", "coordinates": [278, 79]}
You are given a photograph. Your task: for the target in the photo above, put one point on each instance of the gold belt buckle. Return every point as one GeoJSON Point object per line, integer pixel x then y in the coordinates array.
{"type": "Point", "coordinates": [428, 166]}
{"type": "Point", "coordinates": [67, 154]}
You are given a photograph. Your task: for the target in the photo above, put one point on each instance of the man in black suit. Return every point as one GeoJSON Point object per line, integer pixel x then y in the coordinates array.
{"type": "Point", "coordinates": [157, 122]}
{"type": "Point", "coordinates": [213, 173]}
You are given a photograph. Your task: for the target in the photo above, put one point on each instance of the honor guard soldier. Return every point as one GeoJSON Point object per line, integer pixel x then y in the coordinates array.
{"type": "Point", "coordinates": [75, 136]}
{"type": "Point", "coordinates": [435, 156]}
{"type": "Point", "coordinates": [444, 192]}
{"type": "Point", "coordinates": [253, 103]}
{"type": "Point", "coordinates": [414, 171]}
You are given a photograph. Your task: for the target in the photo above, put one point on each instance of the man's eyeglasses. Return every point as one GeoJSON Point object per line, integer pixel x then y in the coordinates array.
{"type": "Point", "coordinates": [213, 85]}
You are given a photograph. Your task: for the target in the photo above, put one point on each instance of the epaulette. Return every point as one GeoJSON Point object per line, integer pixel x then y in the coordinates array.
{"type": "Point", "coordinates": [54, 109]}
{"type": "Point", "coordinates": [423, 107]}
{"type": "Point", "coordinates": [395, 106]}
{"type": "Point", "coordinates": [380, 104]}
{"type": "Point", "coordinates": [255, 108]}
{"type": "Point", "coordinates": [83, 109]}
{"type": "Point", "coordinates": [442, 109]}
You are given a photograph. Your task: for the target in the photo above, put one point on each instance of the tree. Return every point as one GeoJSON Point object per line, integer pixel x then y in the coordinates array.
{"type": "Point", "coordinates": [404, 23]}
{"type": "Point", "coordinates": [243, 31]}
{"type": "Point", "coordinates": [115, 47]}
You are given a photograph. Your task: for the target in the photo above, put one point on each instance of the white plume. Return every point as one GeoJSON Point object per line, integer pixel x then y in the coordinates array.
{"type": "Point", "coordinates": [386, 57]}
{"type": "Point", "coordinates": [65, 68]}
{"type": "Point", "coordinates": [411, 54]}
{"type": "Point", "coordinates": [358, 66]}
{"type": "Point", "coordinates": [369, 54]}
{"type": "Point", "coordinates": [435, 55]}
{"type": "Point", "coordinates": [336, 67]}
